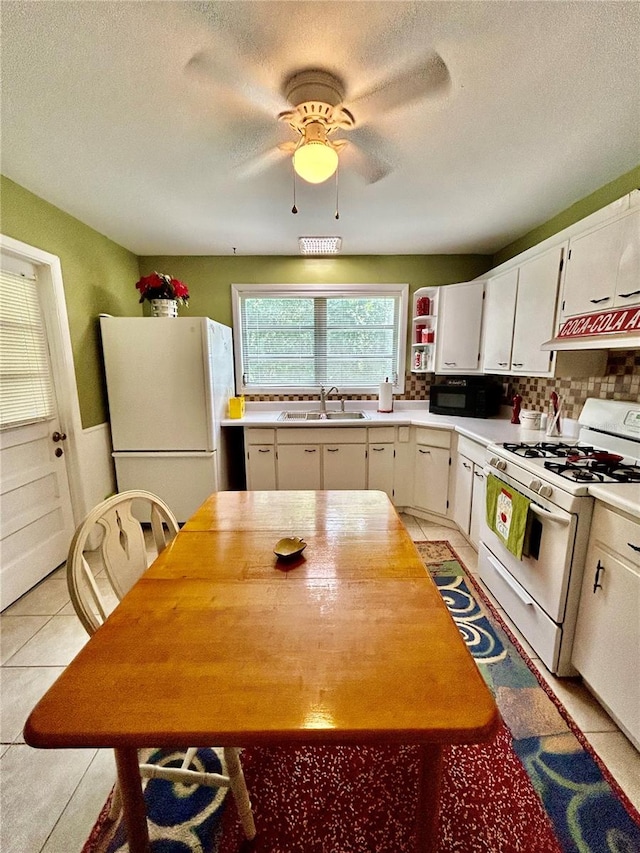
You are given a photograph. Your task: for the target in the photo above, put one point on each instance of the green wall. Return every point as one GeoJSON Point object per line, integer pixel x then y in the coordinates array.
{"type": "Point", "coordinates": [600, 198]}
{"type": "Point", "coordinates": [209, 279]}
{"type": "Point", "coordinates": [99, 277]}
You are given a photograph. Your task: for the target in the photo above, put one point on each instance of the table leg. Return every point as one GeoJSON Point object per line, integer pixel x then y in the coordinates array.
{"type": "Point", "coordinates": [430, 777]}
{"type": "Point", "coordinates": [133, 807]}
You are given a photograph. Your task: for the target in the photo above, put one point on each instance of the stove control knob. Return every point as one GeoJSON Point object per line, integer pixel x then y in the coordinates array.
{"type": "Point", "coordinates": [545, 491]}
{"type": "Point", "coordinates": [535, 486]}
{"type": "Point", "coordinates": [493, 461]}
{"type": "Point", "coordinates": [501, 465]}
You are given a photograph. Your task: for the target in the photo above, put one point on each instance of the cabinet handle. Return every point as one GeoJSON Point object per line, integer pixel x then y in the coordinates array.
{"type": "Point", "coordinates": [428, 452]}
{"type": "Point", "coordinates": [502, 363]}
{"type": "Point", "coordinates": [596, 584]}
{"type": "Point", "coordinates": [478, 474]}
{"type": "Point", "coordinates": [518, 363]}
{"type": "Point", "coordinates": [451, 363]}
{"type": "Point", "coordinates": [598, 301]}
{"type": "Point", "coordinates": [627, 295]}
{"type": "Point", "coordinates": [262, 450]}
{"type": "Point", "coordinates": [378, 449]}
{"type": "Point", "coordinates": [310, 450]}
{"type": "Point", "coordinates": [466, 465]}
{"type": "Point", "coordinates": [635, 547]}
{"type": "Point", "coordinates": [332, 449]}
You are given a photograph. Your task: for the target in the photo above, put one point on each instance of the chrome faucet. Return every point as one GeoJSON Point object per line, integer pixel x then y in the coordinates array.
{"type": "Point", "coordinates": [323, 397]}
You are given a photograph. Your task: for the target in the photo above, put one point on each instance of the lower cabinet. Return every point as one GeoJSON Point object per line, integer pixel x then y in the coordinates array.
{"type": "Point", "coordinates": [344, 466]}
{"type": "Point", "coordinates": [381, 467]}
{"type": "Point", "coordinates": [299, 466]}
{"type": "Point", "coordinates": [260, 459]}
{"type": "Point", "coordinates": [431, 470]}
{"type": "Point", "coordinates": [468, 488]}
{"type": "Point", "coordinates": [607, 639]}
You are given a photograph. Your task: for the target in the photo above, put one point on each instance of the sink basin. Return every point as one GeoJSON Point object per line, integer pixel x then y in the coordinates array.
{"type": "Point", "coordinates": [322, 416]}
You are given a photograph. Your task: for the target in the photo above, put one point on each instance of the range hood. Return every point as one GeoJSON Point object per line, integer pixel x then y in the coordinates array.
{"type": "Point", "coordinates": [618, 328]}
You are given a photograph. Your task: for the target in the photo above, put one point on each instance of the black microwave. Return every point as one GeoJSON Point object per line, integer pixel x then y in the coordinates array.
{"type": "Point", "coordinates": [466, 397]}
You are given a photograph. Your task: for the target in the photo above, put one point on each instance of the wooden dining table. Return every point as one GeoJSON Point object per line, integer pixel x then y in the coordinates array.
{"type": "Point", "coordinates": [222, 642]}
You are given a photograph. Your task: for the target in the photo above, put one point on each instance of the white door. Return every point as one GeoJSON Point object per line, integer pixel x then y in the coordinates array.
{"type": "Point", "coordinates": [36, 519]}
{"type": "Point", "coordinates": [500, 310]}
{"type": "Point", "coordinates": [344, 466]}
{"type": "Point", "coordinates": [459, 328]}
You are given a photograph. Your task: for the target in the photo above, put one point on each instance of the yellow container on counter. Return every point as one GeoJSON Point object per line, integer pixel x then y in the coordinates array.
{"type": "Point", "coordinates": [236, 407]}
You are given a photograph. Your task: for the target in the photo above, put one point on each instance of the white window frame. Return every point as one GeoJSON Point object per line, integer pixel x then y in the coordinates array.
{"type": "Point", "coordinates": [315, 290]}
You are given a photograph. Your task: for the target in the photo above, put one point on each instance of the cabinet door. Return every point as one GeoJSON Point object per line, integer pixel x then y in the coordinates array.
{"type": "Point", "coordinates": [299, 466]}
{"type": "Point", "coordinates": [605, 649]}
{"type": "Point", "coordinates": [499, 314]}
{"type": "Point", "coordinates": [463, 476]}
{"type": "Point", "coordinates": [431, 486]}
{"type": "Point", "coordinates": [380, 468]}
{"type": "Point", "coordinates": [261, 467]}
{"type": "Point", "coordinates": [628, 280]}
{"type": "Point", "coordinates": [344, 466]}
{"type": "Point", "coordinates": [536, 312]}
{"type": "Point", "coordinates": [592, 268]}
{"type": "Point", "coordinates": [459, 328]}
{"type": "Point", "coordinates": [478, 498]}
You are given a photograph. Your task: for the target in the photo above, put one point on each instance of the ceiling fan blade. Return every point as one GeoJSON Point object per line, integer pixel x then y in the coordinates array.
{"type": "Point", "coordinates": [257, 165]}
{"type": "Point", "coordinates": [369, 154]}
{"type": "Point", "coordinates": [222, 71]}
{"type": "Point", "coordinates": [428, 78]}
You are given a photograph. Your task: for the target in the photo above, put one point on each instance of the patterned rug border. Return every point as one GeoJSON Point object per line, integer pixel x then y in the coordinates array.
{"type": "Point", "coordinates": [573, 726]}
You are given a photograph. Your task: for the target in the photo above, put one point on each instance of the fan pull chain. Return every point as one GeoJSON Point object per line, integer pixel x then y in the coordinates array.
{"type": "Point", "coordinates": [294, 209]}
{"type": "Point", "coordinates": [337, 202]}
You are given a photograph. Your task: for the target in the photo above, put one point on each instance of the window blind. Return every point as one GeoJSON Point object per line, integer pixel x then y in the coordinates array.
{"type": "Point", "coordinates": [299, 339]}
{"type": "Point", "coordinates": [26, 385]}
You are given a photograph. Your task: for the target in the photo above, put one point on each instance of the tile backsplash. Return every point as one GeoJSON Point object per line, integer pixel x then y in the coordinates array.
{"type": "Point", "coordinates": [621, 381]}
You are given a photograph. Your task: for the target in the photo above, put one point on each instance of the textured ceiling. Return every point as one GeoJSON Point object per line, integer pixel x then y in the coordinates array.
{"type": "Point", "coordinates": [150, 121]}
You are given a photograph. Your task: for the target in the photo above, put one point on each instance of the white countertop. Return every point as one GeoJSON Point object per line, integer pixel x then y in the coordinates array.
{"type": "Point", "coordinates": [623, 496]}
{"type": "Point", "coordinates": [483, 430]}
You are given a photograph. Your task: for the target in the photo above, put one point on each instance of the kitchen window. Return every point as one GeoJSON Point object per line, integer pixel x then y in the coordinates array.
{"type": "Point", "coordinates": [294, 338]}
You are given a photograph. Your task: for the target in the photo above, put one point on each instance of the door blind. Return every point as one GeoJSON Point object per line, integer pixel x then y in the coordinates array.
{"type": "Point", "coordinates": [26, 385]}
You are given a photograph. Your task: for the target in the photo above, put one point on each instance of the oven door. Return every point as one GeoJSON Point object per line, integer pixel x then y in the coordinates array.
{"type": "Point", "coordinates": [545, 577]}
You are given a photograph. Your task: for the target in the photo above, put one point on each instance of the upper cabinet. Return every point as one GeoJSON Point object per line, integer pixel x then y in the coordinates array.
{"type": "Point", "coordinates": [459, 328]}
{"type": "Point", "coordinates": [603, 268]}
{"type": "Point", "coordinates": [520, 315]}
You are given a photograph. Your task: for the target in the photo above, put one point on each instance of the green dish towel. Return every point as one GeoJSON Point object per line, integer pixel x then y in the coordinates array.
{"type": "Point", "coordinates": [507, 514]}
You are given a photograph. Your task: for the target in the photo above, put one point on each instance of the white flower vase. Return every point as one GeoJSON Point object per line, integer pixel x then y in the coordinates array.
{"type": "Point", "coordinates": [164, 307]}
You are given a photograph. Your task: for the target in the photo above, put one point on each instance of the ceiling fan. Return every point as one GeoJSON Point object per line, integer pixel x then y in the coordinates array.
{"type": "Point", "coordinates": [316, 110]}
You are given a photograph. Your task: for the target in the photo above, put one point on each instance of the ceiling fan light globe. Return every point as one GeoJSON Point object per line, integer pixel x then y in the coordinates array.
{"type": "Point", "coordinates": [315, 162]}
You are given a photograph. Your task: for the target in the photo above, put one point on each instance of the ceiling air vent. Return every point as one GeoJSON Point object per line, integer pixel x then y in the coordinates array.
{"type": "Point", "coordinates": [320, 245]}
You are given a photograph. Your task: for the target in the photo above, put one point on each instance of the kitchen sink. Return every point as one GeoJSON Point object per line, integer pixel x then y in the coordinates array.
{"type": "Point", "coordinates": [322, 416]}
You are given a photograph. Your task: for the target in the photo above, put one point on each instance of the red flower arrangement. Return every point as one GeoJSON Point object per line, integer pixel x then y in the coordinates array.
{"type": "Point", "coordinates": [161, 286]}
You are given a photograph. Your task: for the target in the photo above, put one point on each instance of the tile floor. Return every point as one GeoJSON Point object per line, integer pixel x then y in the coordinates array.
{"type": "Point", "coordinates": [50, 799]}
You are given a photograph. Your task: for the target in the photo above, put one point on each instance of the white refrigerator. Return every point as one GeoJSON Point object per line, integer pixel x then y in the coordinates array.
{"type": "Point", "coordinates": [168, 383]}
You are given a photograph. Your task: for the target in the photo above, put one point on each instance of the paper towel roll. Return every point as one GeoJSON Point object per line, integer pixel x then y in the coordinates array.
{"type": "Point", "coordinates": [385, 397]}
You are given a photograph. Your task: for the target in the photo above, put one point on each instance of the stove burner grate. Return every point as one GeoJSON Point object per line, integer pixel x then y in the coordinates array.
{"type": "Point", "coordinates": [542, 449]}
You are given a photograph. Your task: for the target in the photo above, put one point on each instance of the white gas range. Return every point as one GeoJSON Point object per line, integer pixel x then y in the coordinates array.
{"type": "Point", "coordinates": [541, 591]}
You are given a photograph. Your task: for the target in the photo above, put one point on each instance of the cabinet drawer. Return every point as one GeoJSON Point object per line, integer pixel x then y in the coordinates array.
{"type": "Point", "coordinates": [379, 435]}
{"type": "Point", "coordinates": [617, 533]}
{"type": "Point", "coordinates": [433, 437]}
{"type": "Point", "coordinates": [259, 436]}
{"type": "Point", "coordinates": [322, 435]}
{"type": "Point", "coordinates": [472, 450]}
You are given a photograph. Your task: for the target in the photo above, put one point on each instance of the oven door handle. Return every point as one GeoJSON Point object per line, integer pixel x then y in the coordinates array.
{"type": "Point", "coordinates": [549, 516]}
{"type": "Point", "coordinates": [510, 582]}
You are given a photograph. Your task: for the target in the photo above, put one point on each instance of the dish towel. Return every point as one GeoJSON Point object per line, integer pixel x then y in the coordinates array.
{"type": "Point", "coordinates": [507, 514]}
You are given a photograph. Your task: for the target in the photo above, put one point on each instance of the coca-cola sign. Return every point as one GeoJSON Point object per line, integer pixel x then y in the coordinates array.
{"type": "Point", "coordinates": [615, 321]}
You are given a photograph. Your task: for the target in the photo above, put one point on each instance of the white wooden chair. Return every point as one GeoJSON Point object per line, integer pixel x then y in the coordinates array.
{"type": "Point", "coordinates": [116, 565]}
